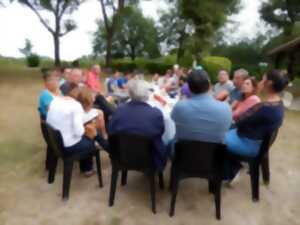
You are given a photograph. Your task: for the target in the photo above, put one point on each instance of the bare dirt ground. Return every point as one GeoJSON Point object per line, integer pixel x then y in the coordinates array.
{"type": "Point", "coordinates": [27, 199]}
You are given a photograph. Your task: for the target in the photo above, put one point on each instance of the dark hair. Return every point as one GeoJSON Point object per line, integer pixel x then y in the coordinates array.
{"type": "Point", "coordinates": [198, 81]}
{"type": "Point", "coordinates": [254, 84]}
{"type": "Point", "coordinates": [279, 80]}
{"type": "Point", "coordinates": [46, 73]}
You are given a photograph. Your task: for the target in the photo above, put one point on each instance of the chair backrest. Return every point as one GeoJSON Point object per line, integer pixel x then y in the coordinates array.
{"type": "Point", "coordinates": [199, 158]}
{"type": "Point", "coordinates": [133, 152]}
{"type": "Point", "coordinates": [266, 143]}
{"type": "Point", "coordinates": [55, 140]}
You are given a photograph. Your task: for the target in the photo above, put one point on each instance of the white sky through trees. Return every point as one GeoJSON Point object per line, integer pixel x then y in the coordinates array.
{"type": "Point", "coordinates": [18, 23]}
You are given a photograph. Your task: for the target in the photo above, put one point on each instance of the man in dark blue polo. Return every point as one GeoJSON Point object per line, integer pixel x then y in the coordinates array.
{"type": "Point", "coordinates": [137, 117]}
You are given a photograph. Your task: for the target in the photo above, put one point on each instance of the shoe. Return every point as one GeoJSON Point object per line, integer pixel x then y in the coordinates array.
{"type": "Point", "coordinates": [230, 183]}
{"type": "Point", "coordinates": [89, 173]}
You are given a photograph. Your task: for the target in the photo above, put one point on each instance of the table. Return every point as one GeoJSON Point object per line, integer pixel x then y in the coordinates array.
{"type": "Point", "coordinates": [166, 110]}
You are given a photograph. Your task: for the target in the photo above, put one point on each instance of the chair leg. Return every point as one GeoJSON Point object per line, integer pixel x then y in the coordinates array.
{"type": "Point", "coordinates": [52, 169]}
{"type": "Point", "coordinates": [171, 178]}
{"type": "Point", "coordinates": [113, 186]}
{"type": "Point", "coordinates": [161, 180]}
{"type": "Point", "coordinates": [124, 177]}
{"type": "Point", "coordinates": [210, 187]}
{"type": "Point", "coordinates": [254, 174]}
{"type": "Point", "coordinates": [68, 169]}
{"type": "Point", "coordinates": [99, 169]}
{"type": "Point", "coordinates": [175, 185]}
{"type": "Point", "coordinates": [265, 168]}
{"type": "Point", "coordinates": [152, 192]}
{"type": "Point", "coordinates": [217, 193]}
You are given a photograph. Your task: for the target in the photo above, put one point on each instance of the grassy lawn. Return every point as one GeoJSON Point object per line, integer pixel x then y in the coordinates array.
{"type": "Point", "coordinates": [27, 199]}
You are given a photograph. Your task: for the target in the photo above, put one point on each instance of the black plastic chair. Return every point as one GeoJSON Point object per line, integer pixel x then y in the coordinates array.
{"type": "Point", "coordinates": [49, 155]}
{"type": "Point", "coordinates": [200, 160]}
{"type": "Point", "coordinates": [261, 160]}
{"type": "Point", "coordinates": [132, 152]}
{"type": "Point", "coordinates": [265, 162]}
{"type": "Point", "coordinates": [56, 146]}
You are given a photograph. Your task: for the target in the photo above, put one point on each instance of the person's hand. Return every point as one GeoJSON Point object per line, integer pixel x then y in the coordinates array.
{"type": "Point", "coordinates": [222, 96]}
{"type": "Point", "coordinates": [90, 130]}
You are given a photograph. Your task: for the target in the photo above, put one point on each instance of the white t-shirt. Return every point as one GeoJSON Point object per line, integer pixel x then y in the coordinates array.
{"type": "Point", "coordinates": [66, 115]}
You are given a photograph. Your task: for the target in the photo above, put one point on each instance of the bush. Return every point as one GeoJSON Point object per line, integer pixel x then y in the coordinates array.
{"type": "Point", "coordinates": [124, 65]}
{"type": "Point", "coordinates": [214, 64]}
{"type": "Point", "coordinates": [186, 60]}
{"type": "Point", "coordinates": [33, 60]}
{"type": "Point", "coordinates": [155, 67]}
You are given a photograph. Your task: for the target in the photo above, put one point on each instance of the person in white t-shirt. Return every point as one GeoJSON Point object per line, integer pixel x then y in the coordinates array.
{"type": "Point", "coordinates": [66, 115]}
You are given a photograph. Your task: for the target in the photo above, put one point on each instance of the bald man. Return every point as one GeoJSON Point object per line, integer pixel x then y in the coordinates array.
{"type": "Point", "coordinates": [74, 79]}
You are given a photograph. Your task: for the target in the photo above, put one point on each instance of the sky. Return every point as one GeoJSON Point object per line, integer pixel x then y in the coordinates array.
{"type": "Point", "coordinates": [18, 23]}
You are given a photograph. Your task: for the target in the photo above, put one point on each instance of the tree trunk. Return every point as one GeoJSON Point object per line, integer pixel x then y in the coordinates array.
{"type": "Point", "coordinates": [132, 54]}
{"type": "Point", "coordinates": [180, 51]}
{"type": "Point", "coordinates": [56, 50]}
{"type": "Point", "coordinates": [109, 48]}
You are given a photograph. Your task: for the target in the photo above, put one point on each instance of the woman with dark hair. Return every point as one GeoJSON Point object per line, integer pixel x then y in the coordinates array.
{"type": "Point", "coordinates": [261, 120]}
{"type": "Point", "coordinates": [248, 100]}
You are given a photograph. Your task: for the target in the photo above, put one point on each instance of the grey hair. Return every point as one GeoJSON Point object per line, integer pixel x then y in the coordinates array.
{"type": "Point", "coordinates": [138, 90]}
{"type": "Point", "coordinates": [244, 73]}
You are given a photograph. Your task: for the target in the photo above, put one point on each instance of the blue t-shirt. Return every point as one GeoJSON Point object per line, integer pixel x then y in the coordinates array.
{"type": "Point", "coordinates": [202, 118]}
{"type": "Point", "coordinates": [44, 101]}
{"type": "Point", "coordinates": [235, 95]}
{"type": "Point", "coordinates": [111, 84]}
{"type": "Point", "coordinates": [121, 82]}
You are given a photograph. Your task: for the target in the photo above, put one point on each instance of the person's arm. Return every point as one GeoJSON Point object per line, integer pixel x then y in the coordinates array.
{"type": "Point", "coordinates": [78, 127]}
{"type": "Point", "coordinates": [250, 116]}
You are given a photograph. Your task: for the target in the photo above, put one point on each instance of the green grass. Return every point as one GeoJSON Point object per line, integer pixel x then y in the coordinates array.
{"type": "Point", "coordinates": [26, 198]}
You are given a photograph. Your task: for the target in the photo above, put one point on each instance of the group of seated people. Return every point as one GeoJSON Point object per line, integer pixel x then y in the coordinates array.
{"type": "Point", "coordinates": [229, 112]}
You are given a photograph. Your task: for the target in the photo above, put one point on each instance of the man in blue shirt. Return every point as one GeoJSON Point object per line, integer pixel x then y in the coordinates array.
{"type": "Point", "coordinates": [51, 81]}
{"type": "Point", "coordinates": [201, 117]}
{"type": "Point", "coordinates": [137, 117]}
{"type": "Point", "coordinates": [239, 77]}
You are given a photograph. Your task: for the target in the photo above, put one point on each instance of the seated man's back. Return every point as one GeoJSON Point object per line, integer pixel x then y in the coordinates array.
{"type": "Point", "coordinates": [139, 118]}
{"type": "Point", "coordinates": [201, 118]}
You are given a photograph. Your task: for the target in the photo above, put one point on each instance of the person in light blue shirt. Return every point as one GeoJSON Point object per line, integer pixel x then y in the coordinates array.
{"type": "Point", "coordinates": [51, 81]}
{"type": "Point", "coordinates": [201, 117]}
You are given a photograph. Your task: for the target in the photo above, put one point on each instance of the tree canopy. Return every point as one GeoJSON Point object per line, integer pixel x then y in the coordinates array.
{"type": "Point", "coordinates": [283, 14]}
{"type": "Point", "coordinates": [58, 8]}
{"type": "Point", "coordinates": [134, 36]}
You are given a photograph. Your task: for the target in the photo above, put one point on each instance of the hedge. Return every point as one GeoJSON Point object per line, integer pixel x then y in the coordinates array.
{"type": "Point", "coordinates": [213, 65]}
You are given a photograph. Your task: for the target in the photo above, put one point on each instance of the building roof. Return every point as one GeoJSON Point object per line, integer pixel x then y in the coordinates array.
{"type": "Point", "coordinates": [285, 48]}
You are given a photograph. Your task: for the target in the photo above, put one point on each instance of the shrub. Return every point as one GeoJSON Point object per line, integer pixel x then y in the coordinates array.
{"type": "Point", "coordinates": [33, 60]}
{"type": "Point", "coordinates": [214, 64]}
{"type": "Point", "coordinates": [123, 65]}
{"type": "Point", "coordinates": [156, 67]}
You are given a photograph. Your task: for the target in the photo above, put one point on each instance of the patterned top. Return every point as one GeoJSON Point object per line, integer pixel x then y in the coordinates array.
{"type": "Point", "coordinates": [261, 120]}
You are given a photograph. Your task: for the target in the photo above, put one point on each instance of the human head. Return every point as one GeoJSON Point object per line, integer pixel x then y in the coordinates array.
{"type": "Point", "coordinates": [116, 74]}
{"type": "Point", "coordinates": [75, 76]}
{"type": "Point", "coordinates": [198, 81]}
{"type": "Point", "coordinates": [86, 98]}
{"type": "Point", "coordinates": [74, 91]}
{"type": "Point", "coordinates": [176, 67]}
{"type": "Point", "coordinates": [96, 69]}
{"type": "Point", "coordinates": [138, 90]}
{"type": "Point", "coordinates": [275, 81]}
{"type": "Point", "coordinates": [168, 73]}
{"type": "Point", "coordinates": [155, 77]}
{"type": "Point", "coordinates": [249, 87]}
{"type": "Point", "coordinates": [223, 76]}
{"type": "Point", "coordinates": [239, 76]}
{"type": "Point", "coordinates": [51, 79]}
